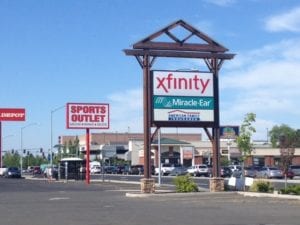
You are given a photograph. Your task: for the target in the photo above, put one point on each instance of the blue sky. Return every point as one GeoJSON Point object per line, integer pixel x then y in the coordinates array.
{"type": "Point", "coordinates": [54, 52]}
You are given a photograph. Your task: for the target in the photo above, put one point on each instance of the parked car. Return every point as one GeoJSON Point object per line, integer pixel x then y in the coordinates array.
{"type": "Point", "coordinates": [36, 170]}
{"type": "Point", "coordinates": [199, 170]}
{"type": "Point", "coordinates": [251, 171]}
{"type": "Point", "coordinates": [51, 172]}
{"type": "Point", "coordinates": [269, 172]}
{"type": "Point", "coordinates": [136, 170]}
{"type": "Point", "coordinates": [226, 171]}
{"type": "Point", "coordinates": [178, 171]}
{"type": "Point", "coordinates": [30, 169]}
{"type": "Point", "coordinates": [290, 174]}
{"type": "Point", "coordinates": [295, 169]}
{"type": "Point", "coordinates": [12, 172]}
{"type": "Point", "coordinates": [122, 169]}
{"type": "Point", "coordinates": [166, 169]}
{"type": "Point", "coordinates": [235, 168]}
{"type": "Point", "coordinates": [3, 171]}
{"type": "Point", "coordinates": [139, 170]}
{"type": "Point", "coordinates": [110, 169]}
{"type": "Point", "coordinates": [95, 169]}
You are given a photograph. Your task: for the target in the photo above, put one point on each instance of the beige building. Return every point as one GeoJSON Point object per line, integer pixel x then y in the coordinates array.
{"type": "Point", "coordinates": [186, 149]}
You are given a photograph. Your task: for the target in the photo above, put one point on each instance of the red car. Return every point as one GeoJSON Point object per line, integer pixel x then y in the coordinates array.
{"type": "Point", "coordinates": [290, 174]}
{"type": "Point", "coordinates": [36, 170]}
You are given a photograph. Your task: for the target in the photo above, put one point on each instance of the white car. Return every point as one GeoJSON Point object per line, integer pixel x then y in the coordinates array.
{"type": "Point", "coordinates": [235, 168]}
{"type": "Point", "coordinates": [199, 170]}
{"type": "Point", "coordinates": [96, 169]}
{"type": "Point", "coordinates": [165, 169]}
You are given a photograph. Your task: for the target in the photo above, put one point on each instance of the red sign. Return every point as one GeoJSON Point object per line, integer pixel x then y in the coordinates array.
{"type": "Point", "coordinates": [86, 115]}
{"type": "Point", "coordinates": [12, 114]}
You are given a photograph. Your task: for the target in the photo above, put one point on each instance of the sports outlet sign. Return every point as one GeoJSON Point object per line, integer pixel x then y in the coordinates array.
{"type": "Point", "coordinates": [85, 115]}
{"type": "Point", "coordinates": [182, 97]}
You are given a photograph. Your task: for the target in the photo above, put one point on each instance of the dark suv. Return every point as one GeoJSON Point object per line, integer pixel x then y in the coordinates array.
{"type": "Point", "coordinates": [13, 172]}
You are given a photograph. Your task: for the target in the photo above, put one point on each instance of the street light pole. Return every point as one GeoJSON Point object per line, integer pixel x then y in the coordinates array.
{"type": "Point", "coordinates": [51, 148]}
{"type": "Point", "coordinates": [2, 138]}
{"type": "Point", "coordinates": [22, 128]}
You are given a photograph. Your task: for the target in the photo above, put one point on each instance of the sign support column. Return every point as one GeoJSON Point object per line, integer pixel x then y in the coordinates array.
{"type": "Point", "coordinates": [0, 144]}
{"type": "Point", "coordinates": [87, 165]}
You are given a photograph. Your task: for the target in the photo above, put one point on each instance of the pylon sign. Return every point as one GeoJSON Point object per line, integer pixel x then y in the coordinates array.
{"type": "Point", "coordinates": [182, 97]}
{"type": "Point", "coordinates": [12, 114]}
{"type": "Point", "coordinates": [229, 132]}
{"type": "Point", "coordinates": [87, 115]}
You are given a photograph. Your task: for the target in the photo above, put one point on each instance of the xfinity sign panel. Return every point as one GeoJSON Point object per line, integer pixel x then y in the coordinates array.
{"type": "Point", "coordinates": [87, 115]}
{"type": "Point", "coordinates": [183, 97]}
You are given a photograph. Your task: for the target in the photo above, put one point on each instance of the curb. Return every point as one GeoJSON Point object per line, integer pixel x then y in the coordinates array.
{"type": "Point", "coordinates": [268, 195]}
{"type": "Point", "coordinates": [172, 194]}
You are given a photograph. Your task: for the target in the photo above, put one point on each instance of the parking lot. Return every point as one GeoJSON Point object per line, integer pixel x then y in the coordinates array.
{"type": "Point", "coordinates": [36, 202]}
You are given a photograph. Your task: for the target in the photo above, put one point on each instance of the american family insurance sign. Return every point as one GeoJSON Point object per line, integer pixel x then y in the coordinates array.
{"type": "Point", "coordinates": [182, 96]}
{"type": "Point", "coordinates": [86, 115]}
{"type": "Point", "coordinates": [12, 114]}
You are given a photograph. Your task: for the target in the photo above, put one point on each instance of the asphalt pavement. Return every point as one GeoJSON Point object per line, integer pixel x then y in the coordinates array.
{"type": "Point", "coordinates": [39, 202]}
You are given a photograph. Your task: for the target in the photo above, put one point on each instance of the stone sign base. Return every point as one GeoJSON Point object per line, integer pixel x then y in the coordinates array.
{"type": "Point", "coordinates": [147, 185]}
{"type": "Point", "coordinates": [216, 184]}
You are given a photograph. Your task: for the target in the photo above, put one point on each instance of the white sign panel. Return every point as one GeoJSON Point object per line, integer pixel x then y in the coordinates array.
{"type": "Point", "coordinates": [182, 96]}
{"type": "Point", "coordinates": [87, 115]}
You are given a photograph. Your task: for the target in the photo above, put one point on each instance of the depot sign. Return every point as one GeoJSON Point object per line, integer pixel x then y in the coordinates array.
{"type": "Point", "coordinates": [12, 114]}
{"type": "Point", "coordinates": [182, 96]}
{"type": "Point", "coordinates": [87, 115]}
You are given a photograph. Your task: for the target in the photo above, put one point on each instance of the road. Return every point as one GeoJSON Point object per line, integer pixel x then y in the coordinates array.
{"type": "Point", "coordinates": [36, 202]}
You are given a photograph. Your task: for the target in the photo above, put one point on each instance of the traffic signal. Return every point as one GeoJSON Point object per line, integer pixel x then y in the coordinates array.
{"type": "Point", "coordinates": [12, 151]}
{"type": "Point", "coordinates": [41, 150]}
{"type": "Point", "coordinates": [24, 151]}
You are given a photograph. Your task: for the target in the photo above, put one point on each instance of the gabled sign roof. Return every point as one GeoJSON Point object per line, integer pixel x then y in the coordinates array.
{"type": "Point", "coordinates": [202, 42]}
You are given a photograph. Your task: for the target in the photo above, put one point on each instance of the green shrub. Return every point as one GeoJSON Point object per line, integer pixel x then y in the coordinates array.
{"type": "Point", "coordinates": [261, 186]}
{"type": "Point", "coordinates": [185, 184]}
{"type": "Point", "coordinates": [291, 190]}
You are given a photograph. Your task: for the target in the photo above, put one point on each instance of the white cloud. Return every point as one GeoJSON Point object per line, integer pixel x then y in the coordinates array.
{"type": "Point", "coordinates": [126, 110]}
{"type": "Point", "coordinates": [221, 2]}
{"type": "Point", "coordinates": [264, 81]}
{"type": "Point", "coordinates": [288, 21]}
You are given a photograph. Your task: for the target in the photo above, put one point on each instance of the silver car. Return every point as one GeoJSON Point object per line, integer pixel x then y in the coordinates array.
{"type": "Point", "coordinates": [269, 172]}
{"type": "Point", "coordinates": [295, 169]}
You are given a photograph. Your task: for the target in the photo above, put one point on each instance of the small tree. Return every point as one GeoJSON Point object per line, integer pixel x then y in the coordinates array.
{"type": "Point", "coordinates": [244, 139]}
{"type": "Point", "coordinates": [287, 153]}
